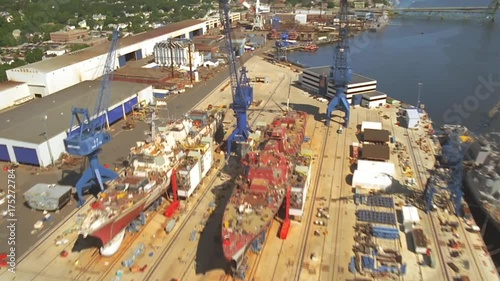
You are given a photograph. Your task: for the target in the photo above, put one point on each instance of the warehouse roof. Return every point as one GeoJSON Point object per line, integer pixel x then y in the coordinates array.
{"type": "Point", "coordinates": [94, 51]}
{"type": "Point", "coordinates": [371, 135]}
{"type": "Point", "coordinates": [325, 70]}
{"type": "Point", "coordinates": [9, 84]}
{"type": "Point", "coordinates": [373, 95]}
{"type": "Point", "coordinates": [375, 152]}
{"type": "Point", "coordinates": [26, 123]}
{"type": "Point", "coordinates": [412, 113]}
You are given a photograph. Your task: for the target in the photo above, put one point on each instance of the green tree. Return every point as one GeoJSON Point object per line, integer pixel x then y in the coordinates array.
{"type": "Point", "coordinates": [330, 5]}
{"type": "Point", "coordinates": [7, 40]}
{"type": "Point", "coordinates": [34, 55]}
{"type": "Point", "coordinates": [76, 47]}
{"type": "Point", "coordinates": [5, 67]}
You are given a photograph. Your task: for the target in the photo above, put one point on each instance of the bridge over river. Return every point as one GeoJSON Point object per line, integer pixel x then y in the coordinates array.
{"type": "Point", "coordinates": [485, 12]}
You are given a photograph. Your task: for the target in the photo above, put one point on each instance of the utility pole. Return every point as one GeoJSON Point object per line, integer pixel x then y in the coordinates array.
{"type": "Point", "coordinates": [171, 46]}
{"type": "Point", "coordinates": [190, 63]}
{"type": "Point", "coordinates": [47, 140]}
{"type": "Point", "coordinates": [321, 8]}
{"type": "Point", "coordinates": [288, 97]}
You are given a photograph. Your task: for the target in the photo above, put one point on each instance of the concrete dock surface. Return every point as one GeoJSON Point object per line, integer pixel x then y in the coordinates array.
{"type": "Point", "coordinates": [192, 250]}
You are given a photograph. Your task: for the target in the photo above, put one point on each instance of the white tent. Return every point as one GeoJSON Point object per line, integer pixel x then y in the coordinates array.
{"type": "Point", "coordinates": [369, 180]}
{"type": "Point", "coordinates": [376, 167]}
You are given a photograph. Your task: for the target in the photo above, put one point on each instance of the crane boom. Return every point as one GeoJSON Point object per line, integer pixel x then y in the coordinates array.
{"type": "Point", "coordinates": [89, 135]}
{"type": "Point", "coordinates": [241, 90]}
{"type": "Point", "coordinates": [104, 99]}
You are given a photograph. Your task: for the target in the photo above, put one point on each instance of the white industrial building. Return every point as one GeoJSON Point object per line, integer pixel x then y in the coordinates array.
{"type": "Point", "coordinates": [412, 118]}
{"type": "Point", "coordinates": [316, 79]}
{"type": "Point", "coordinates": [373, 99]}
{"type": "Point", "coordinates": [33, 134]}
{"type": "Point", "coordinates": [13, 93]}
{"type": "Point", "coordinates": [371, 125]}
{"type": "Point", "coordinates": [214, 21]}
{"type": "Point", "coordinates": [410, 217]}
{"type": "Point", "coordinates": [52, 75]}
{"type": "Point", "coordinates": [181, 53]}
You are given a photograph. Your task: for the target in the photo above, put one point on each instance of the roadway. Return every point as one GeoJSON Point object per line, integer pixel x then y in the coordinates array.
{"type": "Point", "coordinates": [113, 154]}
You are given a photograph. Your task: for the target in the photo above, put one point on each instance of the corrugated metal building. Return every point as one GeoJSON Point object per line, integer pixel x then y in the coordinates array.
{"type": "Point", "coordinates": [34, 133]}
{"type": "Point", "coordinates": [49, 76]}
{"type": "Point", "coordinates": [181, 53]}
{"type": "Point", "coordinates": [13, 93]}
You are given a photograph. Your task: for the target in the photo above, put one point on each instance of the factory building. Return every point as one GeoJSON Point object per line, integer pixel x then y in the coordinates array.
{"type": "Point", "coordinates": [214, 21]}
{"type": "Point", "coordinates": [13, 93]}
{"type": "Point", "coordinates": [33, 134]}
{"type": "Point", "coordinates": [69, 35]}
{"type": "Point", "coordinates": [371, 99]}
{"type": "Point", "coordinates": [181, 53]}
{"type": "Point", "coordinates": [52, 75]}
{"type": "Point", "coordinates": [361, 91]}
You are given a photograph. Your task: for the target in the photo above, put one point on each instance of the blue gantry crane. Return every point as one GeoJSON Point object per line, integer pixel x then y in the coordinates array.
{"type": "Point", "coordinates": [90, 134]}
{"type": "Point", "coordinates": [241, 90]}
{"type": "Point", "coordinates": [341, 72]}
{"type": "Point", "coordinates": [282, 43]}
{"type": "Point", "coordinates": [452, 158]}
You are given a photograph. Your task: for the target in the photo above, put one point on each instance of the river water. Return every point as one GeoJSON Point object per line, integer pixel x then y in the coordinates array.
{"type": "Point", "coordinates": [457, 61]}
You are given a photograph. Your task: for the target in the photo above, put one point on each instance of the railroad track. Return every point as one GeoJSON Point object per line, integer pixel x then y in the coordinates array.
{"type": "Point", "coordinates": [163, 253]}
{"type": "Point", "coordinates": [154, 268]}
{"type": "Point", "coordinates": [310, 208]}
{"type": "Point", "coordinates": [418, 175]}
{"type": "Point", "coordinates": [461, 227]}
{"type": "Point", "coordinates": [340, 155]}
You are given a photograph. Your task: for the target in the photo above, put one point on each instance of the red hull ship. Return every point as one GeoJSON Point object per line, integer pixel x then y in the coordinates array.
{"type": "Point", "coordinates": [185, 147]}
{"type": "Point", "coordinates": [268, 173]}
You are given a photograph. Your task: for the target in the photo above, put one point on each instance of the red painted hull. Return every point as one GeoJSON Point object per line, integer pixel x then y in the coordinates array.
{"type": "Point", "coordinates": [261, 189]}
{"type": "Point", "coordinates": [112, 228]}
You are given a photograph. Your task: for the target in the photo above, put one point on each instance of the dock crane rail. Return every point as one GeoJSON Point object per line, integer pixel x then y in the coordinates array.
{"type": "Point", "coordinates": [90, 134]}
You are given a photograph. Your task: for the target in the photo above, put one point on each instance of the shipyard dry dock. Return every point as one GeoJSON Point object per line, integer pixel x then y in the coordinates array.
{"type": "Point", "coordinates": [321, 244]}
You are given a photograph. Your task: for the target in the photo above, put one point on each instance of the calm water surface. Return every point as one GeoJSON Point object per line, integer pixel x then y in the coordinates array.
{"type": "Point", "coordinates": [453, 59]}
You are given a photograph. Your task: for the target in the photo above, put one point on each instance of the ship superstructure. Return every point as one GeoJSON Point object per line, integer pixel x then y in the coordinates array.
{"type": "Point", "coordinates": [268, 172]}
{"type": "Point", "coordinates": [301, 179]}
{"type": "Point", "coordinates": [483, 180]}
{"type": "Point", "coordinates": [199, 151]}
{"type": "Point", "coordinates": [148, 177]}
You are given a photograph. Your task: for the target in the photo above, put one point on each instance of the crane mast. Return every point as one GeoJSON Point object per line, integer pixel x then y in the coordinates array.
{"type": "Point", "coordinates": [90, 135]}
{"type": "Point", "coordinates": [341, 72]}
{"type": "Point", "coordinates": [258, 21]}
{"type": "Point", "coordinates": [241, 90]}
